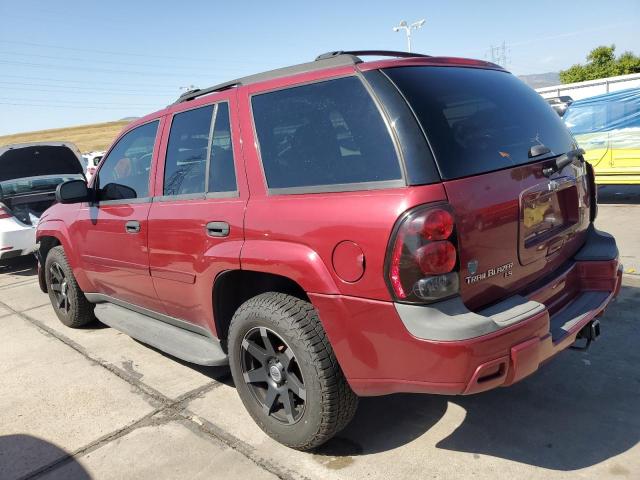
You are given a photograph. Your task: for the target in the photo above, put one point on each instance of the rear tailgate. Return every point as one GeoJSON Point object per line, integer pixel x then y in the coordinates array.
{"type": "Point", "coordinates": [491, 136]}
{"type": "Point", "coordinates": [516, 226]}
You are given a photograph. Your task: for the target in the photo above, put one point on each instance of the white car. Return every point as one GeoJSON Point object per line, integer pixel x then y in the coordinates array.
{"type": "Point", "coordinates": [29, 175]}
{"type": "Point", "coordinates": [93, 160]}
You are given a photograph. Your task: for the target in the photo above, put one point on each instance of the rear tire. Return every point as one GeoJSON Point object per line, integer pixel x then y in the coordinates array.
{"type": "Point", "coordinates": [68, 301]}
{"type": "Point", "coordinates": [286, 372]}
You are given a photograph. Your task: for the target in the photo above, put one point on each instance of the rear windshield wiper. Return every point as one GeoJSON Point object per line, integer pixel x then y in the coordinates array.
{"type": "Point", "coordinates": [563, 160]}
{"type": "Point", "coordinates": [537, 150]}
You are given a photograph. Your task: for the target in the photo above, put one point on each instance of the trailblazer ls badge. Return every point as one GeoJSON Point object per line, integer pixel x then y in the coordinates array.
{"type": "Point", "coordinates": [474, 277]}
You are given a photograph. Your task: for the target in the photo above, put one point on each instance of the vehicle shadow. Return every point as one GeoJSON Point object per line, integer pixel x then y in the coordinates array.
{"type": "Point", "coordinates": [577, 411]}
{"type": "Point", "coordinates": [25, 266]}
{"type": "Point", "coordinates": [619, 194]}
{"type": "Point", "coordinates": [23, 456]}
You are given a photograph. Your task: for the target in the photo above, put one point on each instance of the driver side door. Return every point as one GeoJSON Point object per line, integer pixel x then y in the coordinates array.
{"type": "Point", "coordinates": [112, 232]}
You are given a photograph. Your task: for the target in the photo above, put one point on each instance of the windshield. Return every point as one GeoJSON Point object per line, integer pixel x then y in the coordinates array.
{"type": "Point", "coordinates": [33, 184]}
{"type": "Point", "coordinates": [479, 120]}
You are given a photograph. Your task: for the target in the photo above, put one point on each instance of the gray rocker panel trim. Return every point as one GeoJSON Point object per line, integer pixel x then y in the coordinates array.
{"type": "Point", "coordinates": [176, 341]}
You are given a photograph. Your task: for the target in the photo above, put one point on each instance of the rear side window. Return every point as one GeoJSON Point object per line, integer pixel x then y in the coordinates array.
{"type": "Point", "coordinates": [222, 175]}
{"type": "Point", "coordinates": [323, 134]}
{"type": "Point", "coordinates": [192, 145]}
{"type": "Point", "coordinates": [185, 163]}
{"type": "Point", "coordinates": [124, 174]}
{"type": "Point", "coordinates": [479, 120]}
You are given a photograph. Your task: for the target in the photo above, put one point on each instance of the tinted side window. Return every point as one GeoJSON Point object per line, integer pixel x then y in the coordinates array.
{"type": "Point", "coordinates": [222, 174]}
{"type": "Point", "coordinates": [185, 164]}
{"type": "Point", "coordinates": [326, 133]}
{"type": "Point", "coordinates": [125, 172]}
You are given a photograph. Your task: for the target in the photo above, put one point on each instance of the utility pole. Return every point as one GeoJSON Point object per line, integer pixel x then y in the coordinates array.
{"type": "Point", "coordinates": [403, 25]}
{"type": "Point", "coordinates": [499, 54]}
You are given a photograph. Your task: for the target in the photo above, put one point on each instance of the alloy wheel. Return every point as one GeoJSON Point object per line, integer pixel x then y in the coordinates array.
{"type": "Point", "coordinates": [60, 287]}
{"type": "Point", "coordinates": [273, 375]}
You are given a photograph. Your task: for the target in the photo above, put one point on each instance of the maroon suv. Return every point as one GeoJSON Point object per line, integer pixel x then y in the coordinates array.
{"type": "Point", "coordinates": [339, 229]}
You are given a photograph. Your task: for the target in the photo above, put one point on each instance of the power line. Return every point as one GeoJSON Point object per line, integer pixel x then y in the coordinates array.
{"type": "Point", "coordinates": [78, 59]}
{"type": "Point", "coordinates": [97, 70]}
{"type": "Point", "coordinates": [17, 99]}
{"type": "Point", "coordinates": [84, 82]}
{"type": "Point", "coordinates": [106, 52]}
{"type": "Point", "coordinates": [46, 105]}
{"type": "Point", "coordinates": [120, 54]}
{"type": "Point", "coordinates": [78, 89]}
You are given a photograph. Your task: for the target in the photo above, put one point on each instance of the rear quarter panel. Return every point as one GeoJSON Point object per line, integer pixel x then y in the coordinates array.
{"type": "Point", "coordinates": [295, 234]}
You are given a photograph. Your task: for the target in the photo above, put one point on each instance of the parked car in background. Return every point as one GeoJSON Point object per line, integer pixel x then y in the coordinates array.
{"type": "Point", "coordinates": [338, 229]}
{"type": "Point", "coordinates": [29, 176]}
{"type": "Point", "coordinates": [560, 104]}
{"type": "Point", "coordinates": [607, 127]}
{"type": "Point", "coordinates": [92, 160]}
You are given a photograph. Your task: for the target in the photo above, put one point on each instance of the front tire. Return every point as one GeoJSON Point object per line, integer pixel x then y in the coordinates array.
{"type": "Point", "coordinates": [286, 372]}
{"type": "Point", "coordinates": [71, 306]}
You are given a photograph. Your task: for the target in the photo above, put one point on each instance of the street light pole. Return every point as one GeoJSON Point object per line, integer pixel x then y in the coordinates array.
{"type": "Point", "coordinates": [403, 25]}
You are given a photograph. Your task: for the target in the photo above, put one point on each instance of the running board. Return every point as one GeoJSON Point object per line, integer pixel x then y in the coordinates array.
{"type": "Point", "coordinates": [188, 346]}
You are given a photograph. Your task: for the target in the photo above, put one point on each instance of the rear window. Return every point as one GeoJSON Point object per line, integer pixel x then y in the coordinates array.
{"type": "Point", "coordinates": [324, 134]}
{"type": "Point", "coordinates": [479, 120]}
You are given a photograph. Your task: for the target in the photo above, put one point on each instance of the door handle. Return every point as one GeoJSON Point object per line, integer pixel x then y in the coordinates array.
{"type": "Point", "coordinates": [217, 229]}
{"type": "Point", "coordinates": [132, 226]}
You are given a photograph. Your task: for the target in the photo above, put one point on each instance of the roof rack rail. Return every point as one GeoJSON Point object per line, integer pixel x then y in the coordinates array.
{"type": "Point", "coordinates": [376, 53]}
{"type": "Point", "coordinates": [191, 94]}
{"type": "Point", "coordinates": [329, 59]}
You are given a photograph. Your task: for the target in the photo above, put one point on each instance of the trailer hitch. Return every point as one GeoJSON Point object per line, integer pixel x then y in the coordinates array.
{"type": "Point", "coordinates": [589, 333]}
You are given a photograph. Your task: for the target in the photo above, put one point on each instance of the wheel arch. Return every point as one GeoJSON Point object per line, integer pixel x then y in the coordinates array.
{"type": "Point", "coordinates": [52, 233]}
{"type": "Point", "coordinates": [232, 288]}
{"type": "Point", "coordinates": [45, 244]}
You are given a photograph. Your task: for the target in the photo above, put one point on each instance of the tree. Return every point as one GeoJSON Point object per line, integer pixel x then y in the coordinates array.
{"type": "Point", "coordinates": [602, 63]}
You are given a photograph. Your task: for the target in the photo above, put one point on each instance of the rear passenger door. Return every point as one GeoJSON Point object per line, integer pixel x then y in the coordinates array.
{"type": "Point", "coordinates": [196, 225]}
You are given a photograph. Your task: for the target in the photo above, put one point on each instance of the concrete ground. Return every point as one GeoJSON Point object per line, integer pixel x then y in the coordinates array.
{"type": "Point", "coordinates": [93, 403]}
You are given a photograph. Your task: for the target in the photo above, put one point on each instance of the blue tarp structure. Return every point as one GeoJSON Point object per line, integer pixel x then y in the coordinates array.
{"type": "Point", "coordinates": [605, 113]}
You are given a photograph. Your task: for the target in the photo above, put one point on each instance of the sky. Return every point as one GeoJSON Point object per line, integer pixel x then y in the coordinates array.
{"type": "Point", "coordinates": [73, 62]}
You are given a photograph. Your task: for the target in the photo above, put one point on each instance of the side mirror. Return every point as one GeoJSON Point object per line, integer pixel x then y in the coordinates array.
{"type": "Point", "coordinates": [72, 191]}
{"type": "Point", "coordinates": [116, 191]}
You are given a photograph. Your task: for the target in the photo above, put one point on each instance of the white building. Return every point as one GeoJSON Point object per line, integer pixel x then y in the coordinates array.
{"type": "Point", "coordinates": [590, 88]}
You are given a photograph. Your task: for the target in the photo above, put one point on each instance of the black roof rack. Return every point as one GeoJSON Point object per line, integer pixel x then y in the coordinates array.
{"type": "Point", "coordinates": [191, 94]}
{"type": "Point", "coordinates": [370, 53]}
{"type": "Point", "coordinates": [329, 59]}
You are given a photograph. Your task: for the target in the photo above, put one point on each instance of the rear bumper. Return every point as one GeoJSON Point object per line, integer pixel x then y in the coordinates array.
{"type": "Point", "coordinates": [381, 352]}
{"type": "Point", "coordinates": [16, 239]}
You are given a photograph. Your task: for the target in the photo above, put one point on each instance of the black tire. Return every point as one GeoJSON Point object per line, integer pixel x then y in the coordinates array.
{"type": "Point", "coordinates": [71, 306]}
{"type": "Point", "coordinates": [301, 349]}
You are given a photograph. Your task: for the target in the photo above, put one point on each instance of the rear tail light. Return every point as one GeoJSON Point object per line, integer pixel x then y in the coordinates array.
{"type": "Point", "coordinates": [422, 264]}
{"type": "Point", "coordinates": [593, 192]}
{"type": "Point", "coordinates": [4, 212]}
